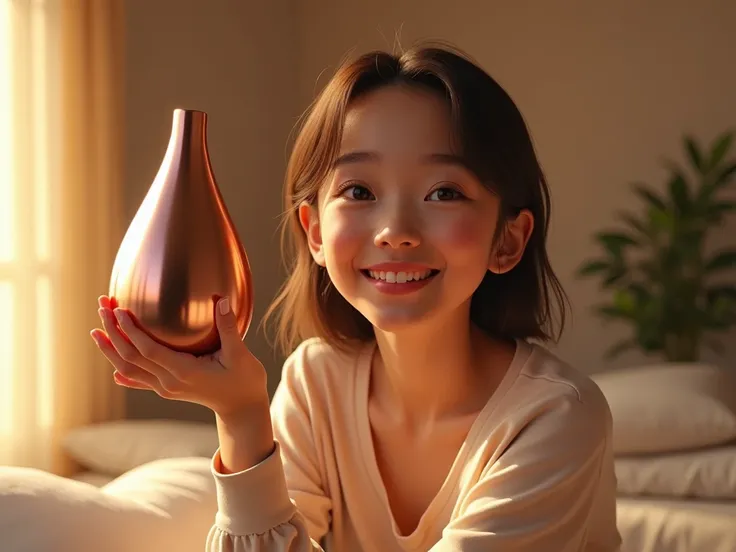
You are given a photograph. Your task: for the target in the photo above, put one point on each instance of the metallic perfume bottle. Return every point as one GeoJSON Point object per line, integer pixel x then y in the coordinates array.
{"type": "Point", "coordinates": [181, 253]}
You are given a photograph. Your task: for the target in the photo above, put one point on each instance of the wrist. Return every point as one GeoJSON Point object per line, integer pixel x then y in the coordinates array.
{"type": "Point", "coordinates": [246, 436]}
{"type": "Point", "coordinates": [241, 414]}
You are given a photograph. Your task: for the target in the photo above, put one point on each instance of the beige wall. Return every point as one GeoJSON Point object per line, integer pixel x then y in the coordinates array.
{"type": "Point", "coordinates": [607, 90]}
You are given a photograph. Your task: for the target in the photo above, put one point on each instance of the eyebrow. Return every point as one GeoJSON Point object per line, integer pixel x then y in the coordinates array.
{"type": "Point", "coordinates": [354, 157]}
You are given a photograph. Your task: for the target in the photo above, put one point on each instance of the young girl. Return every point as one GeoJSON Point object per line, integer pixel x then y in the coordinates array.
{"type": "Point", "coordinates": [413, 414]}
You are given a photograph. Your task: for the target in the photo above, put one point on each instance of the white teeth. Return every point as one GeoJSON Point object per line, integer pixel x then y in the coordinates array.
{"type": "Point", "coordinates": [399, 277]}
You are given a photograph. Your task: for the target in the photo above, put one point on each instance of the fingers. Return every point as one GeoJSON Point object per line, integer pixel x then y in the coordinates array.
{"type": "Point", "coordinates": [119, 340]}
{"type": "Point", "coordinates": [227, 327]}
{"type": "Point", "coordinates": [151, 352]}
{"type": "Point", "coordinates": [128, 350]}
{"type": "Point", "coordinates": [129, 372]}
{"type": "Point", "coordinates": [103, 301]}
{"type": "Point", "coordinates": [127, 382]}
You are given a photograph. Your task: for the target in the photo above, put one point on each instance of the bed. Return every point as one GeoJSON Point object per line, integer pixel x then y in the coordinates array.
{"type": "Point", "coordinates": [674, 436]}
{"type": "Point", "coordinates": [669, 525]}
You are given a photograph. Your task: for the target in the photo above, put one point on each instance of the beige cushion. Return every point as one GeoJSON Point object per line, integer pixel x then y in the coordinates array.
{"type": "Point", "coordinates": [670, 407]}
{"type": "Point", "coordinates": [165, 505]}
{"type": "Point", "coordinates": [113, 448]}
{"type": "Point", "coordinates": [708, 474]}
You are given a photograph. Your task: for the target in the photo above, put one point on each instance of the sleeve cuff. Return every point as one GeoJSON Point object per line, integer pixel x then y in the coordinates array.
{"type": "Point", "coordinates": [255, 500]}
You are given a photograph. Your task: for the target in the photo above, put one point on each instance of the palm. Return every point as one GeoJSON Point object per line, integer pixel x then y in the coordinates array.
{"type": "Point", "coordinates": [222, 380]}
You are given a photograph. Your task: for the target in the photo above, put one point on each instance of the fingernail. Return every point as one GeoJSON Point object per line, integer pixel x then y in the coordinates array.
{"type": "Point", "coordinates": [225, 306]}
{"type": "Point", "coordinates": [96, 338]}
{"type": "Point", "coordinates": [121, 316]}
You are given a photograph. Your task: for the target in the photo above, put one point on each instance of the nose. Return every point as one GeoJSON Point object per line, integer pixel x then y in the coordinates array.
{"type": "Point", "coordinates": [397, 233]}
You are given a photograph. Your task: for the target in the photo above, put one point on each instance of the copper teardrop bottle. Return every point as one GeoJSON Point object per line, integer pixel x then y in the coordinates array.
{"type": "Point", "coordinates": [181, 253]}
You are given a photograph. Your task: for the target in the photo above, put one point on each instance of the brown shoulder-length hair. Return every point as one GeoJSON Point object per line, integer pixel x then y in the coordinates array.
{"type": "Point", "coordinates": [489, 133]}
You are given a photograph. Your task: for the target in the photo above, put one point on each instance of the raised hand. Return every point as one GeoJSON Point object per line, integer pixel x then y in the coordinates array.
{"type": "Point", "coordinates": [228, 381]}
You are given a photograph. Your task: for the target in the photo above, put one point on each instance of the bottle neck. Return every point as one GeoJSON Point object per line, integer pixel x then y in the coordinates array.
{"type": "Point", "coordinates": [189, 131]}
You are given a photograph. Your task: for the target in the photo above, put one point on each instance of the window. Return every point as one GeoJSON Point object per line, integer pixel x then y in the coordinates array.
{"type": "Point", "coordinates": [27, 166]}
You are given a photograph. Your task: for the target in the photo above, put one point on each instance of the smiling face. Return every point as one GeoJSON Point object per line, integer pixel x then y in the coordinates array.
{"type": "Point", "coordinates": [403, 228]}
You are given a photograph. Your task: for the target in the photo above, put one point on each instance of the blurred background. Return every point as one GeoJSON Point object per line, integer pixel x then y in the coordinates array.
{"type": "Point", "coordinates": [87, 90]}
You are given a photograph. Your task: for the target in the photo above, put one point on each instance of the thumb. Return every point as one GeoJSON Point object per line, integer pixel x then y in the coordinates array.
{"type": "Point", "coordinates": [227, 327]}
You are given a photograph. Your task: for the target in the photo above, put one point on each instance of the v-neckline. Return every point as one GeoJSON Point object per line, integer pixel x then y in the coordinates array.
{"type": "Point", "coordinates": [361, 387]}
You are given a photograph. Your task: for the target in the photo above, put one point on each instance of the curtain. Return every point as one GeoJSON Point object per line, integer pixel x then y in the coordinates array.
{"type": "Point", "coordinates": [61, 140]}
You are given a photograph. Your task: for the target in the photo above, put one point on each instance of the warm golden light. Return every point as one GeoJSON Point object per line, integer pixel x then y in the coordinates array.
{"type": "Point", "coordinates": [7, 358]}
{"type": "Point", "coordinates": [181, 253]}
{"type": "Point", "coordinates": [46, 380]}
{"type": "Point", "coordinates": [7, 166]}
{"type": "Point", "coordinates": [7, 222]}
{"type": "Point", "coordinates": [27, 376]}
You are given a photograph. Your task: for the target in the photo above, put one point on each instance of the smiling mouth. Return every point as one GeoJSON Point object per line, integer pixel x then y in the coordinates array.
{"type": "Point", "coordinates": [400, 277]}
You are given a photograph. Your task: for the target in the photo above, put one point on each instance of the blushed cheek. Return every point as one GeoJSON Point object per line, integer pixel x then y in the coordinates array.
{"type": "Point", "coordinates": [342, 237]}
{"type": "Point", "coordinates": [465, 233]}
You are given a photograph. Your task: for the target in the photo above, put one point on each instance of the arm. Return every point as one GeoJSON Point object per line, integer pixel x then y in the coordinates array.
{"type": "Point", "coordinates": [278, 504]}
{"type": "Point", "coordinates": [538, 495]}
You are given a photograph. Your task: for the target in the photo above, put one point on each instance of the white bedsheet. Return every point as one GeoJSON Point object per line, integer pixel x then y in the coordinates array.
{"type": "Point", "coordinates": [657, 525]}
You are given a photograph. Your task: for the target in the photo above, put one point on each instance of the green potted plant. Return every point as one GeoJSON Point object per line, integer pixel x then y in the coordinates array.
{"type": "Point", "coordinates": [676, 296]}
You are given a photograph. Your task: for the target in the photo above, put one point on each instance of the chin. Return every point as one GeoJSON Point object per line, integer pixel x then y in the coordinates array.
{"type": "Point", "coordinates": [397, 320]}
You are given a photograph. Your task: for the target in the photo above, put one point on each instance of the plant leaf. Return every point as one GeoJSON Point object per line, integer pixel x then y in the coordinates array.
{"type": "Point", "coordinates": [719, 150]}
{"type": "Point", "coordinates": [726, 175]}
{"type": "Point", "coordinates": [615, 241]}
{"type": "Point", "coordinates": [639, 292]}
{"type": "Point", "coordinates": [612, 312]}
{"type": "Point", "coordinates": [717, 209]}
{"type": "Point", "coordinates": [617, 348]}
{"type": "Point", "coordinates": [679, 193]}
{"type": "Point", "coordinates": [614, 275]}
{"type": "Point", "coordinates": [650, 196]}
{"type": "Point", "coordinates": [720, 312]}
{"type": "Point", "coordinates": [722, 179]}
{"type": "Point", "coordinates": [696, 157]}
{"type": "Point", "coordinates": [722, 260]}
{"type": "Point", "coordinates": [721, 291]}
{"type": "Point", "coordinates": [625, 302]}
{"type": "Point", "coordinates": [635, 223]}
{"type": "Point", "coordinates": [593, 267]}
{"type": "Point", "coordinates": [661, 220]}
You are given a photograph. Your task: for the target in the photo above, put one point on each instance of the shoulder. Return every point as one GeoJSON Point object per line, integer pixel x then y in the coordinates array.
{"type": "Point", "coordinates": [552, 397]}
{"type": "Point", "coordinates": [316, 366]}
{"type": "Point", "coordinates": [546, 372]}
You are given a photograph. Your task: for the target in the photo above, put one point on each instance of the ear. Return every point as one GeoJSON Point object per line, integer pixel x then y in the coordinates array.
{"type": "Point", "coordinates": [309, 219]}
{"type": "Point", "coordinates": [511, 245]}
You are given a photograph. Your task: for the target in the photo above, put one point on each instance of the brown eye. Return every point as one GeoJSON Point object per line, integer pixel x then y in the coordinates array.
{"type": "Point", "coordinates": [356, 192]}
{"type": "Point", "coordinates": [444, 194]}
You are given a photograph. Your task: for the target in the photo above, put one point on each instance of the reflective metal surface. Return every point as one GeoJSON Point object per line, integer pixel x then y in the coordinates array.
{"type": "Point", "coordinates": [181, 252]}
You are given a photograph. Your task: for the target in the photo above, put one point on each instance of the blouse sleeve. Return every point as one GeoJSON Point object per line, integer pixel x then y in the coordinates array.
{"type": "Point", "coordinates": [539, 494]}
{"type": "Point", "coordinates": [281, 504]}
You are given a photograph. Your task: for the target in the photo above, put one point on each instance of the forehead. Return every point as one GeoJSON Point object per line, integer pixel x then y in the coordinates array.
{"type": "Point", "coordinates": [398, 120]}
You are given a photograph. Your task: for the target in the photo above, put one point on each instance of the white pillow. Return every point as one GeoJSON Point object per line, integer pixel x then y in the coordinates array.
{"type": "Point", "coordinates": [165, 505]}
{"type": "Point", "coordinates": [706, 474]}
{"type": "Point", "coordinates": [116, 447]}
{"type": "Point", "coordinates": [670, 407]}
